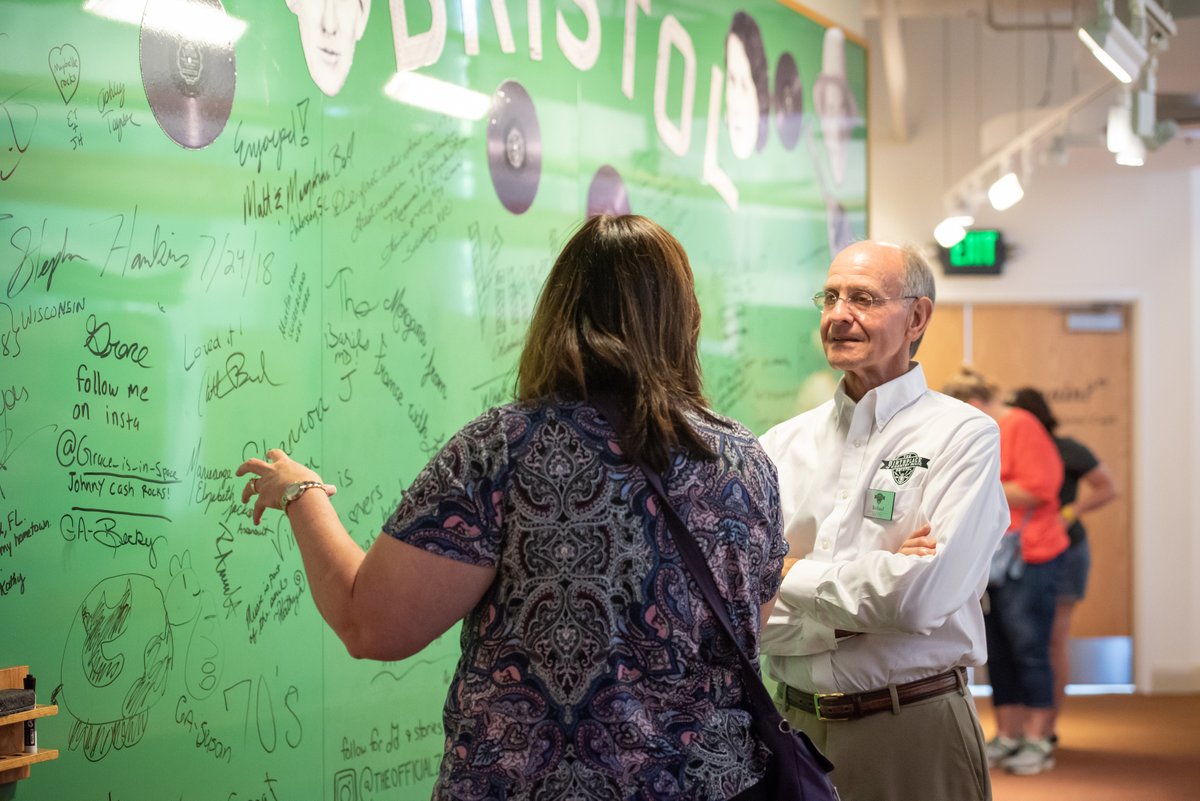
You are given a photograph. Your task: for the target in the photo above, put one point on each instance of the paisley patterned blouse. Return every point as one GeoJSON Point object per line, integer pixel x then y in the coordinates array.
{"type": "Point", "coordinates": [592, 668]}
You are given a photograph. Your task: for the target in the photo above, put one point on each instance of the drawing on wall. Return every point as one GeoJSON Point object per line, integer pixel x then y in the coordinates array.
{"type": "Point", "coordinates": [189, 79]}
{"type": "Point", "coordinates": [65, 67]}
{"type": "Point", "coordinates": [115, 665]}
{"type": "Point", "coordinates": [330, 31]}
{"type": "Point", "coordinates": [514, 147]}
{"type": "Point", "coordinates": [17, 123]}
{"type": "Point", "coordinates": [125, 639]}
{"type": "Point", "coordinates": [747, 93]}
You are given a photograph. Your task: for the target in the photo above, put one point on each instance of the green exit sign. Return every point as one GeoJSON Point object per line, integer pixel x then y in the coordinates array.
{"type": "Point", "coordinates": [979, 253]}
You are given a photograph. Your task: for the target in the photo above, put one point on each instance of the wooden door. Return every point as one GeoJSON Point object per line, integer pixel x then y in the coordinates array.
{"type": "Point", "coordinates": [1086, 377]}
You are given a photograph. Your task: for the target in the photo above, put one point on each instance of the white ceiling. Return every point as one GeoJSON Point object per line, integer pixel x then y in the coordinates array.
{"type": "Point", "coordinates": [1177, 75]}
{"type": "Point", "coordinates": [1009, 11]}
{"type": "Point", "coordinates": [1179, 67]}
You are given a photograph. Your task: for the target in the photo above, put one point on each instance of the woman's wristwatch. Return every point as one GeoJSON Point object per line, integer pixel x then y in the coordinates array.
{"type": "Point", "coordinates": [294, 490]}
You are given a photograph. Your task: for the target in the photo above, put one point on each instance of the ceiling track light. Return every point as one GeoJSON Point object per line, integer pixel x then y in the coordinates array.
{"type": "Point", "coordinates": [967, 195]}
{"type": "Point", "coordinates": [952, 230]}
{"type": "Point", "coordinates": [1133, 153]}
{"type": "Point", "coordinates": [1119, 130]}
{"type": "Point", "coordinates": [1006, 192]}
{"type": "Point", "coordinates": [1133, 124]}
{"type": "Point", "coordinates": [1125, 51]}
{"type": "Point", "coordinates": [1115, 46]}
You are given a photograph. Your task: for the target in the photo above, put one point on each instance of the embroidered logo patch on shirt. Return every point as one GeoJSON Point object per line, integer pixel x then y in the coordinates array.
{"type": "Point", "coordinates": [902, 466]}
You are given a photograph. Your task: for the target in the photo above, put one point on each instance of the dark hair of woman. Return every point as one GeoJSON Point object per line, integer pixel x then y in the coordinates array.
{"type": "Point", "coordinates": [745, 28]}
{"type": "Point", "coordinates": [618, 316]}
{"type": "Point", "coordinates": [1034, 402]}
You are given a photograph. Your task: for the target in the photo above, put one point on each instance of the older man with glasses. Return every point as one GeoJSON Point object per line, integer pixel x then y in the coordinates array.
{"type": "Point", "coordinates": [893, 507]}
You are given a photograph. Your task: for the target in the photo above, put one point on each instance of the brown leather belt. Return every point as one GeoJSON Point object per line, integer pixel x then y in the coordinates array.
{"type": "Point", "coordinates": [843, 706]}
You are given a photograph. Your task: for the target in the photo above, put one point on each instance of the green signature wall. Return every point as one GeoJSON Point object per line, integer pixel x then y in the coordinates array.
{"type": "Point", "coordinates": [322, 227]}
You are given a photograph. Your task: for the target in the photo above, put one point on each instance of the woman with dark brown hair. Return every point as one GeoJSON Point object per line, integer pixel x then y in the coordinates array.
{"type": "Point", "coordinates": [591, 667]}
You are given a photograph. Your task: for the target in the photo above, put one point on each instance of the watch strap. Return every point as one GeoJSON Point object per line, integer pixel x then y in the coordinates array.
{"type": "Point", "coordinates": [293, 491]}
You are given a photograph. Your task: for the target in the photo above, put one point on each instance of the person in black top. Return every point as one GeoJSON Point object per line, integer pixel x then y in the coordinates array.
{"type": "Point", "coordinates": [1080, 465]}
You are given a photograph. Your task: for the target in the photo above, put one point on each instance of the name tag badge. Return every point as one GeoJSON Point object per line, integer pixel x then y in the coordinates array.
{"type": "Point", "coordinates": [879, 503]}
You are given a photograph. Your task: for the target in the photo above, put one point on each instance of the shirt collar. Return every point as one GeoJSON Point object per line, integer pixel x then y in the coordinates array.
{"type": "Point", "coordinates": [885, 400]}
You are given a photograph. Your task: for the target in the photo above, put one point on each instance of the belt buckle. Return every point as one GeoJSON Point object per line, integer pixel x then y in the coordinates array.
{"type": "Point", "coordinates": [816, 699]}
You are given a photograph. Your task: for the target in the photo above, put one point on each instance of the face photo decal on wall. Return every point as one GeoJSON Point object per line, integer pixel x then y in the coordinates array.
{"type": "Point", "coordinates": [329, 32]}
{"type": "Point", "coordinates": [607, 193]}
{"type": "Point", "coordinates": [835, 104]}
{"type": "Point", "coordinates": [514, 147]}
{"type": "Point", "coordinates": [747, 89]}
{"type": "Point", "coordinates": [789, 101]}
{"type": "Point", "coordinates": [188, 68]}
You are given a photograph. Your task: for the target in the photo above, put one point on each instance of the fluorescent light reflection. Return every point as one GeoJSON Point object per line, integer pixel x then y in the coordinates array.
{"type": "Point", "coordinates": [434, 94]}
{"type": "Point", "coordinates": [985, 690]}
{"type": "Point", "coordinates": [191, 21]}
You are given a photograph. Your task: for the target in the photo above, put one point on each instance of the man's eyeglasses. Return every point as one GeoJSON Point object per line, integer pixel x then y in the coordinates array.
{"type": "Point", "coordinates": [859, 300]}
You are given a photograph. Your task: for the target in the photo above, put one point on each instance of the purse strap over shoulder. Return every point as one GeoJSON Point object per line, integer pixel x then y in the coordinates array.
{"type": "Point", "coordinates": [767, 719]}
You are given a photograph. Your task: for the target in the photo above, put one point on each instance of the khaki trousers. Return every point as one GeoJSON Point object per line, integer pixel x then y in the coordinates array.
{"type": "Point", "coordinates": [931, 750]}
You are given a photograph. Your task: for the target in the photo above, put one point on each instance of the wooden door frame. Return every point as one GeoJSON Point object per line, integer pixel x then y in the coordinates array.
{"type": "Point", "coordinates": [939, 355]}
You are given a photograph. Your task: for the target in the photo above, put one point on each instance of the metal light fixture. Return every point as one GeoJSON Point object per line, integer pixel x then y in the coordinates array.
{"type": "Point", "coordinates": [1113, 44]}
{"type": "Point", "coordinates": [1131, 52]}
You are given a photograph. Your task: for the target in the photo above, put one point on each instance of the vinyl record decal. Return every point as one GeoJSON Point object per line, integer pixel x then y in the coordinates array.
{"type": "Point", "coordinates": [514, 147]}
{"type": "Point", "coordinates": [789, 101]}
{"type": "Point", "coordinates": [607, 193]}
{"type": "Point", "coordinates": [188, 68]}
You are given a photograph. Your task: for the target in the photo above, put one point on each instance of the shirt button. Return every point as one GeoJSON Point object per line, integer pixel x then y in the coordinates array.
{"type": "Point", "coordinates": [845, 495]}
{"type": "Point", "coordinates": [857, 444]}
{"type": "Point", "coordinates": [824, 543]}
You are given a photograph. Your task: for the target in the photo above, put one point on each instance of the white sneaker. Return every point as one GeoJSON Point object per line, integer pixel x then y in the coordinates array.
{"type": "Point", "coordinates": [1000, 748]}
{"type": "Point", "coordinates": [1033, 757]}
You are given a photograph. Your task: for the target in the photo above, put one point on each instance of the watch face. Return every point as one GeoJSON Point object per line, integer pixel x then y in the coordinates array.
{"type": "Point", "coordinates": [294, 490]}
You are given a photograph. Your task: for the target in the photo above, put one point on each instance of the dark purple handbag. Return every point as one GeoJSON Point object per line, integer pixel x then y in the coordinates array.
{"type": "Point", "coordinates": [797, 770]}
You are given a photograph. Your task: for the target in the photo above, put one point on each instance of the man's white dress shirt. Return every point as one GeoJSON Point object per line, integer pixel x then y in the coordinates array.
{"type": "Point", "coordinates": [856, 480]}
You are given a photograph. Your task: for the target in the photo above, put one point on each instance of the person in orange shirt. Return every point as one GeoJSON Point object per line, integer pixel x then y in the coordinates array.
{"type": "Point", "coordinates": [1020, 617]}
{"type": "Point", "coordinates": [1080, 467]}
